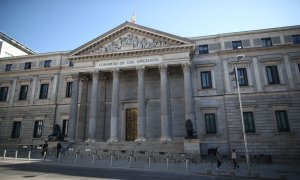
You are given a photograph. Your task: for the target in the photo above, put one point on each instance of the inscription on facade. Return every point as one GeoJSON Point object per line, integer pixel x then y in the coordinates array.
{"type": "Point", "coordinates": [128, 62]}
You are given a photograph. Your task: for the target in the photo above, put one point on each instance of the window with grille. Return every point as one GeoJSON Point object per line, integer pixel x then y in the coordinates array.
{"type": "Point", "coordinates": [272, 75]}
{"type": "Point", "coordinates": [44, 91]}
{"type": "Point", "coordinates": [206, 81]}
{"type": "Point", "coordinates": [38, 129]}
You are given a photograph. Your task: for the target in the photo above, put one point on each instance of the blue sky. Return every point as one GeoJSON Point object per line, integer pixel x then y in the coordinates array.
{"type": "Point", "coordinates": [59, 25]}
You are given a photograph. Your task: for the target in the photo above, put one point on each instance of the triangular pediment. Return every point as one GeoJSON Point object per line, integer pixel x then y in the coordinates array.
{"type": "Point", "coordinates": [129, 37]}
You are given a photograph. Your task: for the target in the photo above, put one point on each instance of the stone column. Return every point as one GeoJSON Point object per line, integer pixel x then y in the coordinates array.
{"type": "Point", "coordinates": [114, 108]}
{"type": "Point", "coordinates": [141, 134]}
{"type": "Point", "coordinates": [164, 104]}
{"type": "Point", "coordinates": [72, 132]}
{"type": "Point", "coordinates": [188, 94]}
{"type": "Point", "coordinates": [289, 71]}
{"type": "Point", "coordinates": [93, 108]}
{"type": "Point", "coordinates": [256, 74]}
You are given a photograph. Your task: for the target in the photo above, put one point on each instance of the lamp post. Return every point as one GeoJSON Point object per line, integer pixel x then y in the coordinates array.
{"type": "Point", "coordinates": [239, 57]}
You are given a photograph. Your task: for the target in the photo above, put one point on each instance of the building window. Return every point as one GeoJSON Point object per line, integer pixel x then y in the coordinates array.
{"type": "Point", "coordinates": [3, 93]}
{"type": "Point", "coordinates": [249, 122]}
{"type": "Point", "coordinates": [47, 64]}
{"type": "Point", "coordinates": [44, 91]}
{"type": "Point", "coordinates": [296, 39]}
{"type": "Point", "coordinates": [282, 121]}
{"type": "Point", "coordinates": [237, 45]}
{"type": "Point", "coordinates": [71, 63]}
{"type": "Point", "coordinates": [38, 129]}
{"type": "Point", "coordinates": [242, 76]}
{"type": "Point", "coordinates": [210, 123]}
{"type": "Point", "coordinates": [272, 74]}
{"type": "Point", "coordinates": [65, 127]}
{"type": "Point", "coordinates": [206, 81]}
{"type": "Point", "coordinates": [203, 49]}
{"type": "Point", "coordinates": [8, 67]}
{"type": "Point", "coordinates": [15, 133]}
{"type": "Point", "coordinates": [266, 42]}
{"type": "Point", "coordinates": [69, 89]}
{"type": "Point", "coordinates": [23, 92]}
{"type": "Point", "coordinates": [27, 65]}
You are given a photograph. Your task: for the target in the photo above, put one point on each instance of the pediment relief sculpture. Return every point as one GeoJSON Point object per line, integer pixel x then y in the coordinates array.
{"type": "Point", "coordinates": [129, 41]}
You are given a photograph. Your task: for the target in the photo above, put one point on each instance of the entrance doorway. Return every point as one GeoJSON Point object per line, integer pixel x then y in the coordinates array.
{"type": "Point", "coordinates": [131, 124]}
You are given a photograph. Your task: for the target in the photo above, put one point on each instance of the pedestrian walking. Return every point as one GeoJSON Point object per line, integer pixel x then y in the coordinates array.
{"type": "Point", "coordinates": [233, 157]}
{"type": "Point", "coordinates": [58, 148]}
{"type": "Point", "coordinates": [44, 149]}
{"type": "Point", "coordinates": [218, 158]}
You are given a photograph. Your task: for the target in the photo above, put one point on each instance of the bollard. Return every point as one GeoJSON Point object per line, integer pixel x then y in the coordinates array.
{"type": "Point", "coordinates": [111, 160]}
{"type": "Point", "coordinates": [16, 155]}
{"type": "Point", "coordinates": [4, 154]}
{"type": "Point", "coordinates": [149, 162]}
{"type": "Point", "coordinates": [29, 154]}
{"type": "Point", "coordinates": [93, 160]}
{"type": "Point", "coordinates": [59, 157]}
{"type": "Point", "coordinates": [186, 165]}
{"type": "Point", "coordinates": [167, 163]}
{"type": "Point", "coordinates": [130, 158]}
{"type": "Point", "coordinates": [75, 161]}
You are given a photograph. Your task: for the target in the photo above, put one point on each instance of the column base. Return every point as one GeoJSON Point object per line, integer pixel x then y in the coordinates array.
{"type": "Point", "coordinates": [89, 140]}
{"type": "Point", "coordinates": [165, 139]}
{"type": "Point", "coordinates": [112, 140]}
{"type": "Point", "coordinates": [140, 140]}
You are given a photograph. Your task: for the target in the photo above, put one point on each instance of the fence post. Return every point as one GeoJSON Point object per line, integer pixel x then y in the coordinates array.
{"type": "Point", "coordinates": [167, 163]}
{"type": "Point", "coordinates": [186, 165]}
{"type": "Point", "coordinates": [111, 160]}
{"type": "Point", "coordinates": [75, 161]}
{"type": "Point", "coordinates": [93, 160]}
{"type": "Point", "coordinates": [4, 154]}
{"type": "Point", "coordinates": [16, 155]}
{"type": "Point", "coordinates": [29, 154]}
{"type": "Point", "coordinates": [149, 162]}
{"type": "Point", "coordinates": [130, 158]}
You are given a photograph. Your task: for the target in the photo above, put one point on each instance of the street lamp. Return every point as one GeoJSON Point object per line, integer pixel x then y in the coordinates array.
{"type": "Point", "coordinates": [239, 57]}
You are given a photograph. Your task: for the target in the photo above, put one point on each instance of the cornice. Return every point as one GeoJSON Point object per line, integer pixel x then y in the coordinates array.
{"type": "Point", "coordinates": [30, 72]}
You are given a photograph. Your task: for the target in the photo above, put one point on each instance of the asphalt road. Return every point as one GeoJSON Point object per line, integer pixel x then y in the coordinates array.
{"type": "Point", "coordinates": [15, 171]}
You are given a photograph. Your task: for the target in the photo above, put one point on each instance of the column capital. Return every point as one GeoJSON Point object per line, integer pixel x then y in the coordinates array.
{"type": "Point", "coordinates": [141, 70]}
{"type": "Point", "coordinates": [95, 73]}
{"type": "Point", "coordinates": [186, 66]}
{"type": "Point", "coordinates": [75, 76]}
{"type": "Point", "coordinates": [163, 67]}
{"type": "Point", "coordinates": [115, 72]}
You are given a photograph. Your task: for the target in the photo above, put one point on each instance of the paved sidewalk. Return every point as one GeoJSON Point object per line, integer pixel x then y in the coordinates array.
{"type": "Point", "coordinates": [273, 171]}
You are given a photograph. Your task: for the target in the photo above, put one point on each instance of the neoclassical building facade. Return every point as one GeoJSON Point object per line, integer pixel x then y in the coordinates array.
{"type": "Point", "coordinates": [135, 84]}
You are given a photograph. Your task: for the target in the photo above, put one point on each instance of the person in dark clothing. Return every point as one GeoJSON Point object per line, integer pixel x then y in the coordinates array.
{"type": "Point", "coordinates": [58, 148]}
{"type": "Point", "coordinates": [44, 148]}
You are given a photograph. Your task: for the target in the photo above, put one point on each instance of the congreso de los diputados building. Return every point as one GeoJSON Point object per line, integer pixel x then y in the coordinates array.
{"type": "Point", "coordinates": [137, 87]}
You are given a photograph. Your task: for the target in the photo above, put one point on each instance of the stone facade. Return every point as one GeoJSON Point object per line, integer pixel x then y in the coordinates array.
{"type": "Point", "coordinates": [162, 76]}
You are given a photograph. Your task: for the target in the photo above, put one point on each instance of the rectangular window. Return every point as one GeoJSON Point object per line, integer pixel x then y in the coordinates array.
{"type": "Point", "coordinates": [47, 64]}
{"type": "Point", "coordinates": [210, 123]}
{"type": "Point", "coordinates": [237, 45]}
{"type": "Point", "coordinates": [27, 65]}
{"type": "Point", "coordinates": [296, 39]}
{"type": "Point", "coordinates": [3, 93]}
{"type": "Point", "coordinates": [203, 49]}
{"type": "Point", "coordinates": [206, 82]}
{"type": "Point", "coordinates": [23, 92]}
{"type": "Point", "coordinates": [249, 122]}
{"type": "Point", "coordinates": [71, 63]}
{"type": "Point", "coordinates": [15, 133]}
{"type": "Point", "coordinates": [266, 42]}
{"type": "Point", "coordinates": [44, 91]}
{"type": "Point", "coordinates": [69, 89]}
{"type": "Point", "coordinates": [38, 129]}
{"type": "Point", "coordinates": [272, 74]}
{"type": "Point", "coordinates": [65, 127]}
{"type": "Point", "coordinates": [282, 121]}
{"type": "Point", "coordinates": [8, 67]}
{"type": "Point", "coordinates": [242, 76]}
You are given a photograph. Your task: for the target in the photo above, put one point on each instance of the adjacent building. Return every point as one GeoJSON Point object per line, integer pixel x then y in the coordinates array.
{"type": "Point", "coordinates": [137, 84]}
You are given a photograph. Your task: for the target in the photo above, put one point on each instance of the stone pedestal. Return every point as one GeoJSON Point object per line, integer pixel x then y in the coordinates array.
{"type": "Point", "coordinates": [192, 146]}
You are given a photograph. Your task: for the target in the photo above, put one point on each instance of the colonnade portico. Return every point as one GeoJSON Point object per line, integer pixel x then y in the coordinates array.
{"type": "Point", "coordinates": [114, 136]}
